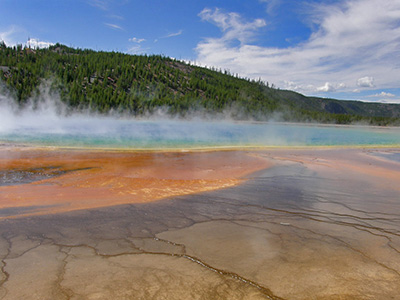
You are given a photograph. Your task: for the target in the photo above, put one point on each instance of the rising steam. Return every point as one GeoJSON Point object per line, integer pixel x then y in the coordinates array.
{"type": "Point", "coordinates": [46, 120]}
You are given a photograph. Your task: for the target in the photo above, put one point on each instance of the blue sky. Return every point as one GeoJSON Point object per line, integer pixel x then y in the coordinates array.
{"type": "Point", "coordinates": [345, 49]}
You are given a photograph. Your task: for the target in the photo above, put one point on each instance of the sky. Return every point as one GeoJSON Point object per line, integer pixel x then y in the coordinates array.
{"type": "Point", "coordinates": [343, 49]}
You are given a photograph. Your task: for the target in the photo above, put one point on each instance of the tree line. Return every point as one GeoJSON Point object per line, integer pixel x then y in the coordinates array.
{"type": "Point", "coordinates": [138, 84]}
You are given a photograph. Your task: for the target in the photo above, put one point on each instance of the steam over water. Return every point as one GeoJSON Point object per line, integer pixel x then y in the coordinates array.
{"type": "Point", "coordinates": [47, 123]}
{"type": "Point", "coordinates": [107, 132]}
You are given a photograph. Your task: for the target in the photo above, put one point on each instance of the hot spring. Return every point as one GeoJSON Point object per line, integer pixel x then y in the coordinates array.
{"type": "Point", "coordinates": [106, 132]}
{"type": "Point", "coordinates": [78, 222]}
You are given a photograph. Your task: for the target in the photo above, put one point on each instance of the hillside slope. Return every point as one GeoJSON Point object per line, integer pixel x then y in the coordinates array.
{"type": "Point", "coordinates": [132, 84]}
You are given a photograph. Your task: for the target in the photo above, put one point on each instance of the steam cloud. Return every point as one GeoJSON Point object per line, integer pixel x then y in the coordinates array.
{"type": "Point", "coordinates": [47, 121]}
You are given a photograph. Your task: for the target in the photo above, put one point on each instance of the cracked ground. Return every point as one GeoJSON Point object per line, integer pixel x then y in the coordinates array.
{"type": "Point", "coordinates": [315, 224]}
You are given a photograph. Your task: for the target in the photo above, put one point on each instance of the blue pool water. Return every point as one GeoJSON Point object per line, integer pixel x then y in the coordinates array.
{"type": "Point", "coordinates": [115, 133]}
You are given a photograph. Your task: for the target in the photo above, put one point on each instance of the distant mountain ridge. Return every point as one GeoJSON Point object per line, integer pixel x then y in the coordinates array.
{"type": "Point", "coordinates": [141, 84]}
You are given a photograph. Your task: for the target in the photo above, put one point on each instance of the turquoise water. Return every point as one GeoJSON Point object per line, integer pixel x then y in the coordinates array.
{"type": "Point", "coordinates": [113, 133]}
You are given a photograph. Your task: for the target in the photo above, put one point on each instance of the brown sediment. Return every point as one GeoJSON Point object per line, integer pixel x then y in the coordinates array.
{"type": "Point", "coordinates": [84, 179]}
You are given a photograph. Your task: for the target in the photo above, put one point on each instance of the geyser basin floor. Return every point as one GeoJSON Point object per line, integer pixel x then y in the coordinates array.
{"type": "Point", "coordinates": [66, 180]}
{"type": "Point", "coordinates": [317, 224]}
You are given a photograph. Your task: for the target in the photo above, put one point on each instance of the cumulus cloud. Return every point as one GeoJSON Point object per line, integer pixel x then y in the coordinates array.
{"type": "Point", "coordinates": [327, 87]}
{"type": "Point", "coordinates": [36, 43]}
{"type": "Point", "coordinates": [350, 38]}
{"type": "Point", "coordinates": [365, 82]}
{"type": "Point", "coordinates": [291, 85]}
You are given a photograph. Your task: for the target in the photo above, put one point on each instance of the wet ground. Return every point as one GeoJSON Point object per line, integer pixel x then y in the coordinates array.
{"type": "Point", "coordinates": [318, 224]}
{"type": "Point", "coordinates": [49, 180]}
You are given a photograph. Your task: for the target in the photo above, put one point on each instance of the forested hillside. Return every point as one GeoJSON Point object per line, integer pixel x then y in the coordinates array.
{"type": "Point", "coordinates": [132, 84]}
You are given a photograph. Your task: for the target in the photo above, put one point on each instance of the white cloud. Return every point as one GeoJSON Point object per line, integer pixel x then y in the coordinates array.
{"type": "Point", "coordinates": [365, 82]}
{"type": "Point", "coordinates": [35, 43]}
{"type": "Point", "coordinates": [101, 4]}
{"type": "Point", "coordinates": [137, 49]}
{"type": "Point", "coordinates": [383, 95]}
{"type": "Point", "coordinates": [291, 85]}
{"type": "Point", "coordinates": [272, 5]}
{"type": "Point", "coordinates": [174, 34]}
{"type": "Point", "coordinates": [390, 101]}
{"type": "Point", "coordinates": [113, 26]}
{"type": "Point", "coordinates": [15, 34]}
{"type": "Point", "coordinates": [350, 38]}
{"type": "Point", "coordinates": [232, 26]}
{"type": "Point", "coordinates": [136, 40]}
{"type": "Point", "coordinates": [8, 36]}
{"type": "Point", "coordinates": [327, 87]}
{"type": "Point", "coordinates": [179, 32]}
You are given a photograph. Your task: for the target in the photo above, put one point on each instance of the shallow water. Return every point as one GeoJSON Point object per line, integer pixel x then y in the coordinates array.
{"type": "Point", "coordinates": [320, 224]}
{"type": "Point", "coordinates": [394, 156]}
{"type": "Point", "coordinates": [112, 133]}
